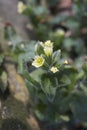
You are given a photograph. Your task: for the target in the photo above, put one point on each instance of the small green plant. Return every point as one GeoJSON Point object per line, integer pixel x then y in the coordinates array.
{"type": "Point", "coordinates": [56, 78]}
{"type": "Point", "coordinates": [55, 85]}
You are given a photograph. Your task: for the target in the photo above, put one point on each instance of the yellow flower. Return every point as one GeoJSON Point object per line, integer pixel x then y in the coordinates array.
{"type": "Point", "coordinates": [65, 62]}
{"type": "Point", "coordinates": [21, 7]}
{"type": "Point", "coordinates": [38, 61]}
{"type": "Point", "coordinates": [54, 69]}
{"type": "Point", "coordinates": [48, 48]}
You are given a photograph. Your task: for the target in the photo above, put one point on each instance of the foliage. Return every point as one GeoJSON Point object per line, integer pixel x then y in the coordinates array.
{"type": "Point", "coordinates": [56, 91]}
{"type": "Point", "coordinates": [60, 88]}
{"type": "Point", "coordinates": [49, 26]}
{"type": "Point", "coordinates": [55, 70]}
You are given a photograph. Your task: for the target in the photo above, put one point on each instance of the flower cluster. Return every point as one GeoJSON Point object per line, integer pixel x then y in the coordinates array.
{"type": "Point", "coordinates": [47, 51]}
{"type": "Point", "coordinates": [44, 53]}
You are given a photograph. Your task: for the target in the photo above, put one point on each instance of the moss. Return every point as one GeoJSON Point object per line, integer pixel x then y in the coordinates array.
{"type": "Point", "coordinates": [13, 124]}
{"type": "Point", "coordinates": [12, 111]}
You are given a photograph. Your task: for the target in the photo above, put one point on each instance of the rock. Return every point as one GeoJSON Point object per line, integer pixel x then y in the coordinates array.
{"type": "Point", "coordinates": [14, 115]}
{"type": "Point", "coordinates": [12, 108]}
{"type": "Point", "coordinates": [8, 13]}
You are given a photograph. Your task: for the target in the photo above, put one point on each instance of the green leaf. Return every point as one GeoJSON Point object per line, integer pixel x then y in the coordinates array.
{"type": "Point", "coordinates": [1, 58]}
{"type": "Point", "coordinates": [20, 65]}
{"type": "Point", "coordinates": [62, 100]}
{"type": "Point", "coordinates": [83, 85]}
{"type": "Point", "coordinates": [56, 56]}
{"type": "Point", "coordinates": [68, 43]}
{"type": "Point", "coordinates": [72, 24]}
{"type": "Point", "coordinates": [65, 80]}
{"type": "Point", "coordinates": [77, 44]}
{"type": "Point", "coordinates": [64, 118]}
{"type": "Point", "coordinates": [29, 78]}
{"type": "Point", "coordinates": [38, 49]}
{"type": "Point", "coordinates": [79, 106]}
{"type": "Point", "coordinates": [9, 32]}
{"type": "Point", "coordinates": [49, 85]}
{"type": "Point", "coordinates": [24, 47]}
{"type": "Point", "coordinates": [39, 114]}
{"type": "Point", "coordinates": [84, 66]}
{"type": "Point", "coordinates": [57, 19]}
{"type": "Point", "coordinates": [36, 74]}
{"type": "Point", "coordinates": [71, 75]}
{"type": "Point", "coordinates": [40, 10]}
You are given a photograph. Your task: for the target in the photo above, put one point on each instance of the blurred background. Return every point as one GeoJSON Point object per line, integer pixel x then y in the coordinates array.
{"type": "Point", "coordinates": [22, 24]}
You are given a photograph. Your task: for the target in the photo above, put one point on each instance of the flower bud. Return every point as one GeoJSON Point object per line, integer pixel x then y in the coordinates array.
{"type": "Point", "coordinates": [54, 69]}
